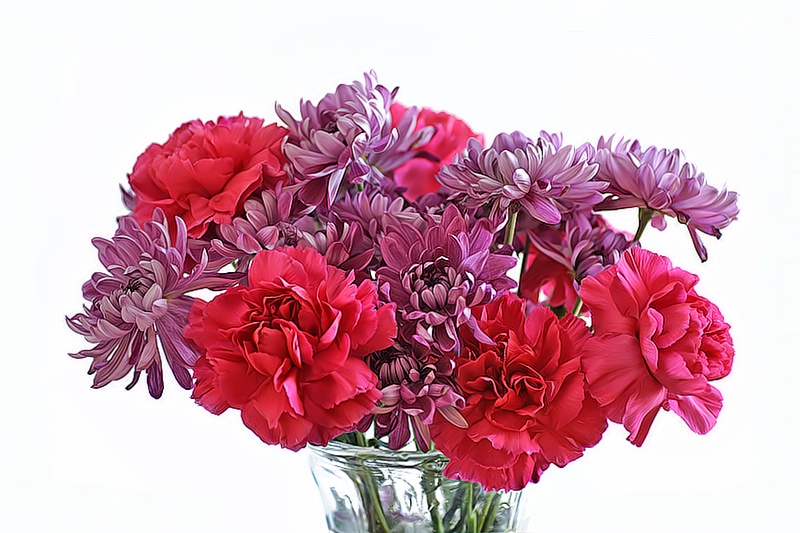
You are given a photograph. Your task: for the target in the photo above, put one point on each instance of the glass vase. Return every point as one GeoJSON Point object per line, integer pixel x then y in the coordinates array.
{"type": "Point", "coordinates": [379, 490]}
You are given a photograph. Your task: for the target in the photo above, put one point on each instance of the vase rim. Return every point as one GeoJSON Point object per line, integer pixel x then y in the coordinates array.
{"type": "Point", "coordinates": [345, 450]}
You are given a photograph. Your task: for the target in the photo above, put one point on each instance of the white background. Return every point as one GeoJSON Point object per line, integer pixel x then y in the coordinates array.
{"type": "Point", "coordinates": [85, 87]}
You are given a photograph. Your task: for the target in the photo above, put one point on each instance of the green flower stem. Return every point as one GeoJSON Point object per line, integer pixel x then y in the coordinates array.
{"type": "Point", "coordinates": [645, 215]}
{"type": "Point", "coordinates": [511, 225]}
{"type": "Point", "coordinates": [524, 262]}
{"type": "Point", "coordinates": [372, 490]}
{"type": "Point", "coordinates": [489, 508]}
{"type": "Point", "coordinates": [456, 503]}
{"type": "Point", "coordinates": [429, 486]}
{"type": "Point", "coordinates": [372, 487]}
{"type": "Point", "coordinates": [578, 304]}
{"type": "Point", "coordinates": [472, 518]}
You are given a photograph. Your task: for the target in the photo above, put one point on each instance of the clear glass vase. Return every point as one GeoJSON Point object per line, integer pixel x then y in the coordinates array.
{"type": "Point", "coordinates": [378, 490]}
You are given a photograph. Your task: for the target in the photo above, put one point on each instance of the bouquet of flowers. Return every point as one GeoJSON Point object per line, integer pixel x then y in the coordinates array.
{"type": "Point", "coordinates": [386, 277]}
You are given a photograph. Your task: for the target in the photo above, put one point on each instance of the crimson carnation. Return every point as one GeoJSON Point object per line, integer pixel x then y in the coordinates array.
{"type": "Point", "coordinates": [547, 280]}
{"type": "Point", "coordinates": [205, 171]}
{"type": "Point", "coordinates": [668, 343]}
{"type": "Point", "coordinates": [526, 403]}
{"type": "Point", "coordinates": [288, 350]}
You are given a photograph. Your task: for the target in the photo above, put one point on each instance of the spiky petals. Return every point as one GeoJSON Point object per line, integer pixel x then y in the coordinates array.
{"type": "Point", "coordinates": [344, 245]}
{"type": "Point", "coordinates": [668, 343]}
{"type": "Point", "coordinates": [348, 137]}
{"type": "Point", "coordinates": [374, 213]}
{"type": "Point", "coordinates": [205, 171]}
{"type": "Point", "coordinates": [436, 275]}
{"type": "Point", "coordinates": [287, 350]}
{"type": "Point", "coordinates": [140, 300]}
{"type": "Point", "coordinates": [544, 178]}
{"type": "Point", "coordinates": [270, 221]}
{"type": "Point", "coordinates": [662, 181]}
{"type": "Point", "coordinates": [527, 406]}
{"type": "Point", "coordinates": [415, 384]}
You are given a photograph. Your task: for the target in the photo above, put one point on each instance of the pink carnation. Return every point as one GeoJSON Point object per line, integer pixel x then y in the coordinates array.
{"type": "Point", "coordinates": [657, 344]}
{"type": "Point", "coordinates": [418, 175]}
{"type": "Point", "coordinates": [288, 349]}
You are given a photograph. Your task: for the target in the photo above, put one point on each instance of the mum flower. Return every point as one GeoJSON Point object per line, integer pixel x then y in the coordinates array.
{"type": "Point", "coordinates": [288, 349]}
{"type": "Point", "coordinates": [663, 183]}
{"type": "Point", "coordinates": [374, 213]}
{"type": "Point", "coordinates": [543, 177]}
{"type": "Point", "coordinates": [560, 260]}
{"type": "Point", "coordinates": [269, 221]}
{"type": "Point", "coordinates": [142, 300]}
{"type": "Point", "coordinates": [434, 276]}
{"type": "Point", "coordinates": [348, 137]}
{"type": "Point", "coordinates": [344, 246]}
{"type": "Point", "coordinates": [667, 343]}
{"type": "Point", "coordinates": [415, 385]}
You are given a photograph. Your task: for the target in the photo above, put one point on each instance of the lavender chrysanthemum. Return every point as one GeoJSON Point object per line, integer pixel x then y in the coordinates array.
{"type": "Point", "coordinates": [377, 212]}
{"type": "Point", "coordinates": [434, 276]}
{"type": "Point", "coordinates": [268, 222]}
{"type": "Point", "coordinates": [662, 182]}
{"type": "Point", "coordinates": [588, 246]}
{"type": "Point", "coordinates": [348, 137]}
{"type": "Point", "coordinates": [142, 302]}
{"type": "Point", "coordinates": [544, 178]}
{"type": "Point", "coordinates": [344, 246]}
{"type": "Point", "coordinates": [374, 213]}
{"type": "Point", "coordinates": [415, 387]}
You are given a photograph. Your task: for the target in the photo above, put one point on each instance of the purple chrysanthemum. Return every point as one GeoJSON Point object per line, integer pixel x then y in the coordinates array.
{"type": "Point", "coordinates": [544, 178]}
{"type": "Point", "coordinates": [268, 222]}
{"type": "Point", "coordinates": [435, 275]}
{"type": "Point", "coordinates": [414, 387]}
{"type": "Point", "coordinates": [348, 136]}
{"type": "Point", "coordinates": [662, 182]}
{"type": "Point", "coordinates": [344, 246]}
{"type": "Point", "coordinates": [142, 302]}
{"type": "Point", "coordinates": [587, 246]}
{"type": "Point", "coordinates": [374, 213]}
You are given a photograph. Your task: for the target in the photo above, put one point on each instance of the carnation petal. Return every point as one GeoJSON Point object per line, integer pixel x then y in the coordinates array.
{"type": "Point", "coordinates": [699, 411]}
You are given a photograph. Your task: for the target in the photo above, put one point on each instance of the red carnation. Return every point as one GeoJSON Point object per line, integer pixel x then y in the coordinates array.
{"type": "Point", "coordinates": [527, 406]}
{"type": "Point", "coordinates": [205, 172]}
{"type": "Point", "coordinates": [288, 349]}
{"type": "Point", "coordinates": [657, 344]}
{"type": "Point", "coordinates": [544, 276]}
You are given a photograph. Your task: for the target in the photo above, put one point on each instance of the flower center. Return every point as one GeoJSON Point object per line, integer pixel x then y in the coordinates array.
{"type": "Point", "coordinates": [393, 365]}
{"type": "Point", "coordinates": [137, 283]}
{"type": "Point", "coordinates": [435, 285]}
{"type": "Point", "coordinates": [291, 235]}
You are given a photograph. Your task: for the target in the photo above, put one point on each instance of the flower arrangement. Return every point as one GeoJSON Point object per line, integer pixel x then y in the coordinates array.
{"type": "Point", "coordinates": [363, 253]}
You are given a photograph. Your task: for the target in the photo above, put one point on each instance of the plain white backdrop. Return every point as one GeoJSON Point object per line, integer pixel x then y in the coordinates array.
{"type": "Point", "coordinates": [86, 86]}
